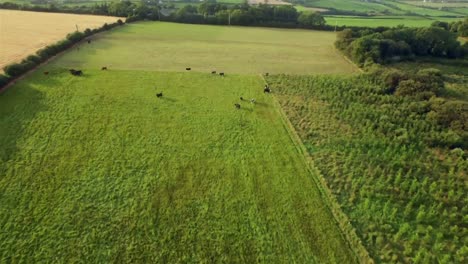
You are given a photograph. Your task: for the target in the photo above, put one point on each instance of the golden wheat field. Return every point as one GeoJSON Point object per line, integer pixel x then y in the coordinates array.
{"type": "Point", "coordinates": [22, 33]}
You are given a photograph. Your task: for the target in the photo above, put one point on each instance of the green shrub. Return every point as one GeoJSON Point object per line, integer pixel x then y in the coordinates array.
{"type": "Point", "coordinates": [75, 36]}
{"type": "Point", "coordinates": [4, 80]}
{"type": "Point", "coordinates": [33, 58]}
{"type": "Point", "coordinates": [16, 69]}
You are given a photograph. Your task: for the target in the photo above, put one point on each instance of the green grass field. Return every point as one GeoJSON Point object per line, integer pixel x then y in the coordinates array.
{"type": "Point", "coordinates": [97, 169]}
{"type": "Point", "coordinates": [349, 5]}
{"type": "Point", "coordinates": [384, 21]}
{"type": "Point", "coordinates": [172, 47]}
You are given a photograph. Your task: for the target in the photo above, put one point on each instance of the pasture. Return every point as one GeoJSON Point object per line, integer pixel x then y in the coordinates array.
{"type": "Point", "coordinates": [96, 168]}
{"type": "Point", "coordinates": [384, 21]}
{"type": "Point", "coordinates": [172, 47]}
{"type": "Point", "coordinates": [23, 33]}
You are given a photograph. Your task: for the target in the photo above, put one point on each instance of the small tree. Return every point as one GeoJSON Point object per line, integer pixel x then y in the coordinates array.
{"type": "Point", "coordinates": [310, 20]}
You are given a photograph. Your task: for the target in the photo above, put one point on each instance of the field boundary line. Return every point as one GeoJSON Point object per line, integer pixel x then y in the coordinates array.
{"type": "Point", "coordinates": [341, 219]}
{"type": "Point", "coordinates": [347, 59]}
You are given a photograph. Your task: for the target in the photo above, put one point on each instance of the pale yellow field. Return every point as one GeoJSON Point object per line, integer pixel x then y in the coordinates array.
{"type": "Point", "coordinates": [22, 33]}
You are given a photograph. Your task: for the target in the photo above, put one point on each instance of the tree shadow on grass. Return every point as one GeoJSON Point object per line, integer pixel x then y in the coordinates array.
{"type": "Point", "coordinates": [19, 105]}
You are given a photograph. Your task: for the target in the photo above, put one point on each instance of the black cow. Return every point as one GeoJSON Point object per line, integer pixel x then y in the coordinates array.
{"type": "Point", "coordinates": [104, 68]}
{"type": "Point", "coordinates": [46, 72]}
{"type": "Point", "coordinates": [237, 106]}
{"type": "Point", "coordinates": [188, 69]}
{"type": "Point", "coordinates": [267, 89]}
{"type": "Point", "coordinates": [213, 72]}
{"type": "Point", "coordinates": [76, 72]}
{"type": "Point", "coordinates": [266, 74]}
{"type": "Point", "coordinates": [159, 94]}
{"type": "Point", "coordinates": [242, 98]}
{"type": "Point", "coordinates": [221, 74]}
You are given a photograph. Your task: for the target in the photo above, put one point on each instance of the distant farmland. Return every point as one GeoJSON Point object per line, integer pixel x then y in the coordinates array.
{"type": "Point", "coordinates": [23, 33]}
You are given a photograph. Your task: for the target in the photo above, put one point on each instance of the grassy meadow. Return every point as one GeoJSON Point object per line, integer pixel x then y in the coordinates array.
{"type": "Point", "coordinates": [172, 47]}
{"type": "Point", "coordinates": [97, 169]}
{"type": "Point", "coordinates": [385, 21]}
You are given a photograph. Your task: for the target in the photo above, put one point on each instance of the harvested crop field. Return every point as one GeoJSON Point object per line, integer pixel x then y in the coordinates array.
{"type": "Point", "coordinates": [22, 33]}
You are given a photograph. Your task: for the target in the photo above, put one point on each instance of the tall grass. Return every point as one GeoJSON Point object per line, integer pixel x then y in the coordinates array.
{"type": "Point", "coordinates": [97, 169]}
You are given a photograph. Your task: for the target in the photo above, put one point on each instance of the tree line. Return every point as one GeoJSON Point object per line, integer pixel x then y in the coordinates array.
{"type": "Point", "coordinates": [383, 45]}
{"type": "Point", "coordinates": [209, 12]}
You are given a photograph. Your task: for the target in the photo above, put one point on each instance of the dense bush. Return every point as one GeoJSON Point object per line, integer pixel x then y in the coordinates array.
{"type": "Point", "coordinates": [310, 20]}
{"type": "Point", "coordinates": [16, 69]}
{"type": "Point", "coordinates": [459, 27]}
{"type": "Point", "coordinates": [3, 80]}
{"type": "Point", "coordinates": [422, 85]}
{"type": "Point", "coordinates": [76, 36]}
{"type": "Point", "coordinates": [396, 44]}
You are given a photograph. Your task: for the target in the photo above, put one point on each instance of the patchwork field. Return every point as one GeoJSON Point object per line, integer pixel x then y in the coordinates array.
{"type": "Point", "coordinates": [22, 33]}
{"type": "Point", "coordinates": [172, 47]}
{"type": "Point", "coordinates": [97, 169]}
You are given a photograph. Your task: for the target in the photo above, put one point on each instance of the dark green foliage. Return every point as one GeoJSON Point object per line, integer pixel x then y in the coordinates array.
{"type": "Point", "coordinates": [33, 58]}
{"type": "Point", "coordinates": [310, 20]}
{"type": "Point", "coordinates": [131, 19]}
{"type": "Point", "coordinates": [389, 79]}
{"type": "Point", "coordinates": [4, 80]}
{"type": "Point", "coordinates": [16, 69]}
{"type": "Point", "coordinates": [459, 27]}
{"type": "Point", "coordinates": [422, 85]}
{"type": "Point", "coordinates": [442, 24]}
{"type": "Point", "coordinates": [54, 49]}
{"type": "Point", "coordinates": [398, 44]}
{"type": "Point", "coordinates": [76, 36]}
{"type": "Point", "coordinates": [88, 31]}
{"type": "Point", "coordinates": [451, 114]}
{"type": "Point", "coordinates": [396, 164]}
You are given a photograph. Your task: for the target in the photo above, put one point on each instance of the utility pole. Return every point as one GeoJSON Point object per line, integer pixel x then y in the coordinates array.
{"type": "Point", "coordinates": [229, 18]}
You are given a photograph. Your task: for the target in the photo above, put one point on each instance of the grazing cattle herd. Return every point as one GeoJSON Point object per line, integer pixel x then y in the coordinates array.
{"type": "Point", "coordinates": [266, 89]}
